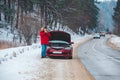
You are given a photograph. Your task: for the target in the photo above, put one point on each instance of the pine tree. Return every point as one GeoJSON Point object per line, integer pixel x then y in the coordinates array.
{"type": "Point", "coordinates": [116, 18]}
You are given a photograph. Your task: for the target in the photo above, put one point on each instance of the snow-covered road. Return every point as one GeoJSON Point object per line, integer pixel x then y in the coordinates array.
{"type": "Point", "coordinates": [102, 61]}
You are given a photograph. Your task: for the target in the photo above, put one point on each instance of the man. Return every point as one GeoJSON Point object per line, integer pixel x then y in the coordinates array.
{"type": "Point", "coordinates": [44, 36]}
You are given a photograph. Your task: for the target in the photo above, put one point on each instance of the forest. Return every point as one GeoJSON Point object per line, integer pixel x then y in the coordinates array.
{"type": "Point", "coordinates": [27, 16]}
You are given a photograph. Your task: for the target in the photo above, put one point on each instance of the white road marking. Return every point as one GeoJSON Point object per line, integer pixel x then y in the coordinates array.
{"type": "Point", "coordinates": [109, 57]}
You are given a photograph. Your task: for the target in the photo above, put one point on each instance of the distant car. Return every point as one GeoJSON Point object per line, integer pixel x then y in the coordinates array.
{"type": "Point", "coordinates": [102, 34]}
{"type": "Point", "coordinates": [96, 36]}
{"type": "Point", "coordinates": [60, 45]}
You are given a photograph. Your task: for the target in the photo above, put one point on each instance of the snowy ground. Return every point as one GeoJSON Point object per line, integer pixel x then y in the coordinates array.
{"type": "Point", "coordinates": [25, 63]}
{"type": "Point", "coordinates": [17, 61]}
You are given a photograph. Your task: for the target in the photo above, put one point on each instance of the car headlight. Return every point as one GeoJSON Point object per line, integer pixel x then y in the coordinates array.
{"type": "Point", "coordinates": [68, 48]}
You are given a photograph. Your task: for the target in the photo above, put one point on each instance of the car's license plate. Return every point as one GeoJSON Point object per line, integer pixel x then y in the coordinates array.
{"type": "Point", "coordinates": [57, 52]}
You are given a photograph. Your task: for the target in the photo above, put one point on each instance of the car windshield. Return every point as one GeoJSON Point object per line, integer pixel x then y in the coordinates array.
{"type": "Point", "coordinates": [58, 43]}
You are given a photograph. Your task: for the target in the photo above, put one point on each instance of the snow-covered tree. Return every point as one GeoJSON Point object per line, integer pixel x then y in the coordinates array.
{"type": "Point", "coordinates": [116, 18]}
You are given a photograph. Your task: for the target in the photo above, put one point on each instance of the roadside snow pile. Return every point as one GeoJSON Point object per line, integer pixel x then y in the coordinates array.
{"type": "Point", "coordinates": [115, 40]}
{"type": "Point", "coordinates": [7, 54]}
{"type": "Point", "coordinates": [22, 64]}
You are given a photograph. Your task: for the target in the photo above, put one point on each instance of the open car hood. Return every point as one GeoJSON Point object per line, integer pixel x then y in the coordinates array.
{"type": "Point", "coordinates": [60, 35]}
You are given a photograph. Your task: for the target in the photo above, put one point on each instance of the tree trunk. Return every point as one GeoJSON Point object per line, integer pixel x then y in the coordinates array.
{"type": "Point", "coordinates": [5, 3]}
{"type": "Point", "coordinates": [18, 11]}
{"type": "Point", "coordinates": [9, 6]}
{"type": "Point", "coordinates": [35, 37]}
{"type": "Point", "coordinates": [0, 16]}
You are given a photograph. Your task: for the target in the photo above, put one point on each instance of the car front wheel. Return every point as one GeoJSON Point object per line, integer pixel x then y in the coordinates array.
{"type": "Point", "coordinates": [70, 57]}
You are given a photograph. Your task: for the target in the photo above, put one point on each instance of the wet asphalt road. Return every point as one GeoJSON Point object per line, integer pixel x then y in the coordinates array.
{"type": "Point", "coordinates": [100, 60]}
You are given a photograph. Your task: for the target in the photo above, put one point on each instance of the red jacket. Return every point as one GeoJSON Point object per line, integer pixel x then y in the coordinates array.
{"type": "Point", "coordinates": [44, 37]}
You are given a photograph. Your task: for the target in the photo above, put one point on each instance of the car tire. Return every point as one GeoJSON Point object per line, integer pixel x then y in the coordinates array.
{"type": "Point", "coordinates": [70, 57]}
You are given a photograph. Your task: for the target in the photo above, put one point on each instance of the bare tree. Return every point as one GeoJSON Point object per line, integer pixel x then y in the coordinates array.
{"type": "Point", "coordinates": [29, 29]}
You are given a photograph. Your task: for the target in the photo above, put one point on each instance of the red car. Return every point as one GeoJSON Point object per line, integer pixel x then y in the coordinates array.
{"type": "Point", "coordinates": [60, 45]}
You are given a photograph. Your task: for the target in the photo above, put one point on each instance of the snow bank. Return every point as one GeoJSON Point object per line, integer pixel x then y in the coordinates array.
{"type": "Point", "coordinates": [19, 66]}
{"type": "Point", "coordinates": [7, 54]}
{"type": "Point", "coordinates": [115, 40]}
